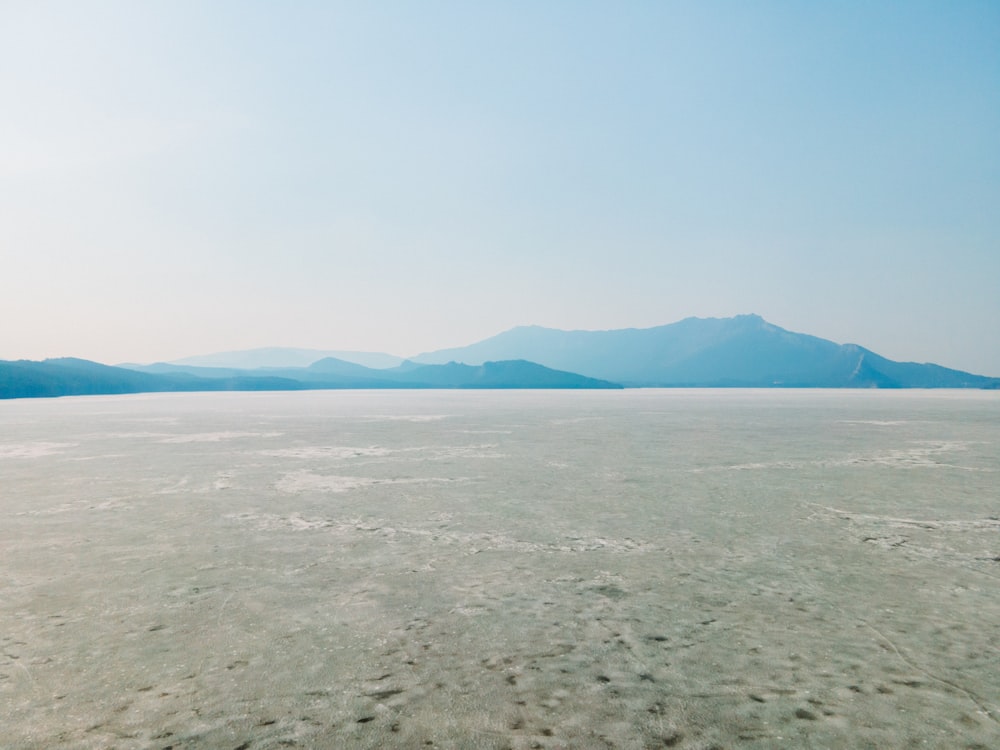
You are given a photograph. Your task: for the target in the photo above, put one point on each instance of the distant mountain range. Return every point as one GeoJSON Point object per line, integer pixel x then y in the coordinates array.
{"type": "Point", "coordinates": [78, 377]}
{"type": "Point", "coordinates": [745, 351]}
{"type": "Point", "coordinates": [282, 356]}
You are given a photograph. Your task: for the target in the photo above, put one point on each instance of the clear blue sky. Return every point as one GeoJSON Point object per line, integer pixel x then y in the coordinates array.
{"type": "Point", "coordinates": [180, 177]}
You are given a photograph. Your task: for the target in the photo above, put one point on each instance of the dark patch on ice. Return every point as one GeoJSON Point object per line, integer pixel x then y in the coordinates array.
{"type": "Point", "coordinates": [611, 591]}
{"type": "Point", "coordinates": [383, 694]}
{"type": "Point", "coordinates": [672, 739]}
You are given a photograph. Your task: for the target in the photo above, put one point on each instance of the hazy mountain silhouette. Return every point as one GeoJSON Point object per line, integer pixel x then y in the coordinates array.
{"type": "Point", "coordinates": [745, 351]}
{"type": "Point", "coordinates": [276, 356]}
{"type": "Point", "coordinates": [505, 374]}
{"type": "Point", "coordinates": [318, 370]}
{"type": "Point", "coordinates": [76, 377]}
{"type": "Point", "coordinates": [79, 377]}
{"type": "Point", "coordinates": [709, 352]}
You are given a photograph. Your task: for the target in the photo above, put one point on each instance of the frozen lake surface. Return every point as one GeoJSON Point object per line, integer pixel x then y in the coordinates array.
{"type": "Point", "coordinates": [501, 569]}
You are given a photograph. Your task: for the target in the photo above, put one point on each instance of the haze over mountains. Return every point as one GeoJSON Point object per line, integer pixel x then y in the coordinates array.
{"type": "Point", "coordinates": [279, 356]}
{"type": "Point", "coordinates": [745, 351]}
{"type": "Point", "coordinates": [698, 352]}
{"type": "Point", "coordinates": [78, 377]}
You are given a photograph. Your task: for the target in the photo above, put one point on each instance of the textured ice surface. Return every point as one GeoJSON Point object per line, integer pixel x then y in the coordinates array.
{"type": "Point", "coordinates": [624, 569]}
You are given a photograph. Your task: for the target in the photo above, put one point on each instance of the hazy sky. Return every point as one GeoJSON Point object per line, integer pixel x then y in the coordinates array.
{"type": "Point", "coordinates": [185, 177]}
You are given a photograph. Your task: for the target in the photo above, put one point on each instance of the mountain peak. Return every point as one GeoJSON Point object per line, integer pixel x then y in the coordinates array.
{"type": "Point", "coordinates": [745, 350]}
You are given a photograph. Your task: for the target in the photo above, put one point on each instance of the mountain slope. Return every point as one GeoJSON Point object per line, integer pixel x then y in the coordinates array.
{"type": "Point", "coordinates": [745, 351]}
{"type": "Point", "coordinates": [506, 374]}
{"type": "Point", "coordinates": [76, 377]}
{"type": "Point", "coordinates": [61, 377]}
{"type": "Point", "coordinates": [80, 377]}
{"type": "Point", "coordinates": [709, 352]}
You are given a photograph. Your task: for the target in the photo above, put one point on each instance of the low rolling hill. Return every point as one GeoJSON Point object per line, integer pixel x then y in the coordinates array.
{"type": "Point", "coordinates": [77, 377]}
